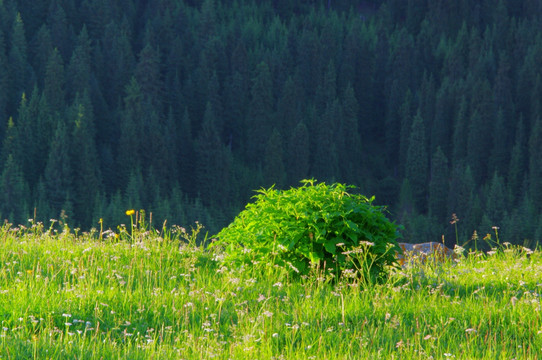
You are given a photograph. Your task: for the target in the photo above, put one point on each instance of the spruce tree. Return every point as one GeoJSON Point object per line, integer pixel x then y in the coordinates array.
{"type": "Point", "coordinates": [58, 171]}
{"type": "Point", "coordinates": [134, 191]}
{"type": "Point", "coordinates": [147, 74]}
{"type": "Point", "coordinates": [535, 164]}
{"type": "Point", "coordinates": [259, 117]}
{"type": "Point", "coordinates": [298, 155]}
{"type": "Point", "coordinates": [29, 143]}
{"type": "Point", "coordinates": [212, 163]}
{"type": "Point", "coordinates": [351, 163]}
{"type": "Point", "coordinates": [324, 164]}
{"type": "Point", "coordinates": [116, 65]}
{"type": "Point", "coordinates": [273, 164]}
{"type": "Point", "coordinates": [4, 81]}
{"type": "Point", "coordinates": [288, 107]}
{"type": "Point", "coordinates": [85, 163]}
{"type": "Point", "coordinates": [61, 32]}
{"type": "Point", "coordinates": [54, 83]}
{"type": "Point", "coordinates": [186, 155]}
{"type": "Point", "coordinates": [461, 198]}
{"type": "Point", "coordinates": [131, 125]}
{"type": "Point", "coordinates": [79, 69]}
{"type": "Point", "coordinates": [417, 163]}
{"type": "Point", "coordinates": [496, 201]}
{"type": "Point", "coordinates": [40, 51]}
{"type": "Point", "coordinates": [18, 63]}
{"type": "Point", "coordinates": [14, 193]}
{"type": "Point", "coordinates": [518, 164]}
{"type": "Point", "coordinates": [439, 187]}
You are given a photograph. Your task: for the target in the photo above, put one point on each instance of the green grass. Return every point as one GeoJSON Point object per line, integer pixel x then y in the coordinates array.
{"type": "Point", "coordinates": [151, 296]}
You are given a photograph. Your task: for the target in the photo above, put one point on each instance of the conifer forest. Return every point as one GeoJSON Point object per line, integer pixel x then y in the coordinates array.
{"type": "Point", "coordinates": [184, 107]}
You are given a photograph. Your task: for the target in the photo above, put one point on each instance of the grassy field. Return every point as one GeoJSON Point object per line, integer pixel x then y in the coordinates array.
{"type": "Point", "coordinates": [150, 295]}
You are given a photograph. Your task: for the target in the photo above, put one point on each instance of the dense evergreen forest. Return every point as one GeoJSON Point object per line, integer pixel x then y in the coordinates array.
{"type": "Point", "coordinates": [182, 108]}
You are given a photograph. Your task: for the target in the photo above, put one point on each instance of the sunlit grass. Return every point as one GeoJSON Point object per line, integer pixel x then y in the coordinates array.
{"type": "Point", "coordinates": [159, 295]}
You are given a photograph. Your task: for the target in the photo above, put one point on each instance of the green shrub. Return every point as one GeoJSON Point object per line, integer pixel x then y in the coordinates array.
{"type": "Point", "coordinates": [314, 225]}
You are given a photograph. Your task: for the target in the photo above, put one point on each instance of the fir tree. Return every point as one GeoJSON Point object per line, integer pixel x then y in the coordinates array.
{"type": "Point", "coordinates": [535, 164]}
{"type": "Point", "coordinates": [259, 123]}
{"type": "Point", "coordinates": [439, 187]}
{"type": "Point", "coordinates": [351, 162]}
{"type": "Point", "coordinates": [273, 164]}
{"type": "Point", "coordinates": [4, 80]}
{"type": "Point", "coordinates": [85, 163]}
{"type": "Point", "coordinates": [14, 193]}
{"type": "Point", "coordinates": [18, 63]}
{"type": "Point", "coordinates": [298, 159]}
{"type": "Point", "coordinates": [212, 166]}
{"type": "Point", "coordinates": [417, 163]}
{"type": "Point", "coordinates": [79, 68]}
{"type": "Point", "coordinates": [58, 171]}
{"type": "Point", "coordinates": [130, 132]}
{"type": "Point", "coordinates": [54, 83]}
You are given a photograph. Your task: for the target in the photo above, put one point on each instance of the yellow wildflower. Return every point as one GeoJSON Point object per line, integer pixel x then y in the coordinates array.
{"type": "Point", "coordinates": [130, 212]}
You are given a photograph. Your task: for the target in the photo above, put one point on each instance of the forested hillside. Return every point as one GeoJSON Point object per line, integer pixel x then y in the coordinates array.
{"type": "Point", "coordinates": [182, 108]}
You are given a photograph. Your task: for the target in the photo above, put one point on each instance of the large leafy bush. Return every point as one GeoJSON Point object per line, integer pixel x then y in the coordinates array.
{"type": "Point", "coordinates": [314, 225]}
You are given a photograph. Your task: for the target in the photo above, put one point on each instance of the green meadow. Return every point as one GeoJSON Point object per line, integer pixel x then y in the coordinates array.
{"type": "Point", "coordinates": [149, 294]}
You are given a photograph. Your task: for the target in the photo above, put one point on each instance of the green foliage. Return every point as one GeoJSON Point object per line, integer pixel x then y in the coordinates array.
{"type": "Point", "coordinates": [353, 75]}
{"type": "Point", "coordinates": [160, 295]}
{"type": "Point", "coordinates": [314, 225]}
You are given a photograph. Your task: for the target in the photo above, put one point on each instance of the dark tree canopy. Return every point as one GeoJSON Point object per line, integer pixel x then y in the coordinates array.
{"type": "Point", "coordinates": [183, 107]}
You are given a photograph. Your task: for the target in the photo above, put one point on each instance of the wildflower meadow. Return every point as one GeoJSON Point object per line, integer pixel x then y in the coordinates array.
{"type": "Point", "coordinates": [150, 294]}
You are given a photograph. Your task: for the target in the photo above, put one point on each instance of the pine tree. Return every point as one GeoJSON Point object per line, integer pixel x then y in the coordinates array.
{"type": "Point", "coordinates": [79, 68]}
{"type": "Point", "coordinates": [441, 130]}
{"type": "Point", "coordinates": [45, 126]}
{"type": "Point", "coordinates": [115, 67]}
{"type": "Point", "coordinates": [259, 118]}
{"type": "Point", "coordinates": [392, 125]}
{"type": "Point", "coordinates": [186, 155]}
{"type": "Point", "coordinates": [518, 164]}
{"type": "Point", "coordinates": [208, 20]}
{"type": "Point", "coordinates": [478, 146]}
{"type": "Point", "coordinates": [213, 163]}
{"type": "Point", "coordinates": [147, 74]}
{"type": "Point", "coordinates": [439, 187]}
{"type": "Point", "coordinates": [61, 32]}
{"type": "Point", "coordinates": [324, 165]}
{"type": "Point", "coordinates": [351, 162]}
{"type": "Point", "coordinates": [461, 199]}
{"type": "Point", "coordinates": [460, 129]}
{"type": "Point", "coordinates": [310, 60]}
{"type": "Point", "coordinates": [406, 207]}
{"type": "Point", "coordinates": [130, 132]}
{"type": "Point", "coordinates": [406, 115]}
{"type": "Point", "coordinates": [30, 148]}
{"type": "Point", "coordinates": [289, 107]}
{"type": "Point", "coordinates": [85, 163]}
{"type": "Point", "coordinates": [40, 51]}
{"type": "Point", "coordinates": [298, 159]}
{"type": "Point", "coordinates": [58, 171]}
{"type": "Point", "coordinates": [134, 191]}
{"type": "Point", "coordinates": [273, 164]}
{"type": "Point", "coordinates": [535, 164]}
{"type": "Point", "coordinates": [54, 83]}
{"type": "Point", "coordinates": [14, 193]}
{"type": "Point", "coordinates": [417, 163]}
{"type": "Point", "coordinates": [497, 201]}
{"type": "Point", "coordinates": [41, 205]}
{"type": "Point", "coordinates": [4, 81]}
{"type": "Point", "coordinates": [236, 104]}
{"type": "Point", "coordinates": [18, 63]}
{"type": "Point", "coordinates": [326, 92]}
{"type": "Point", "coordinates": [500, 152]}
